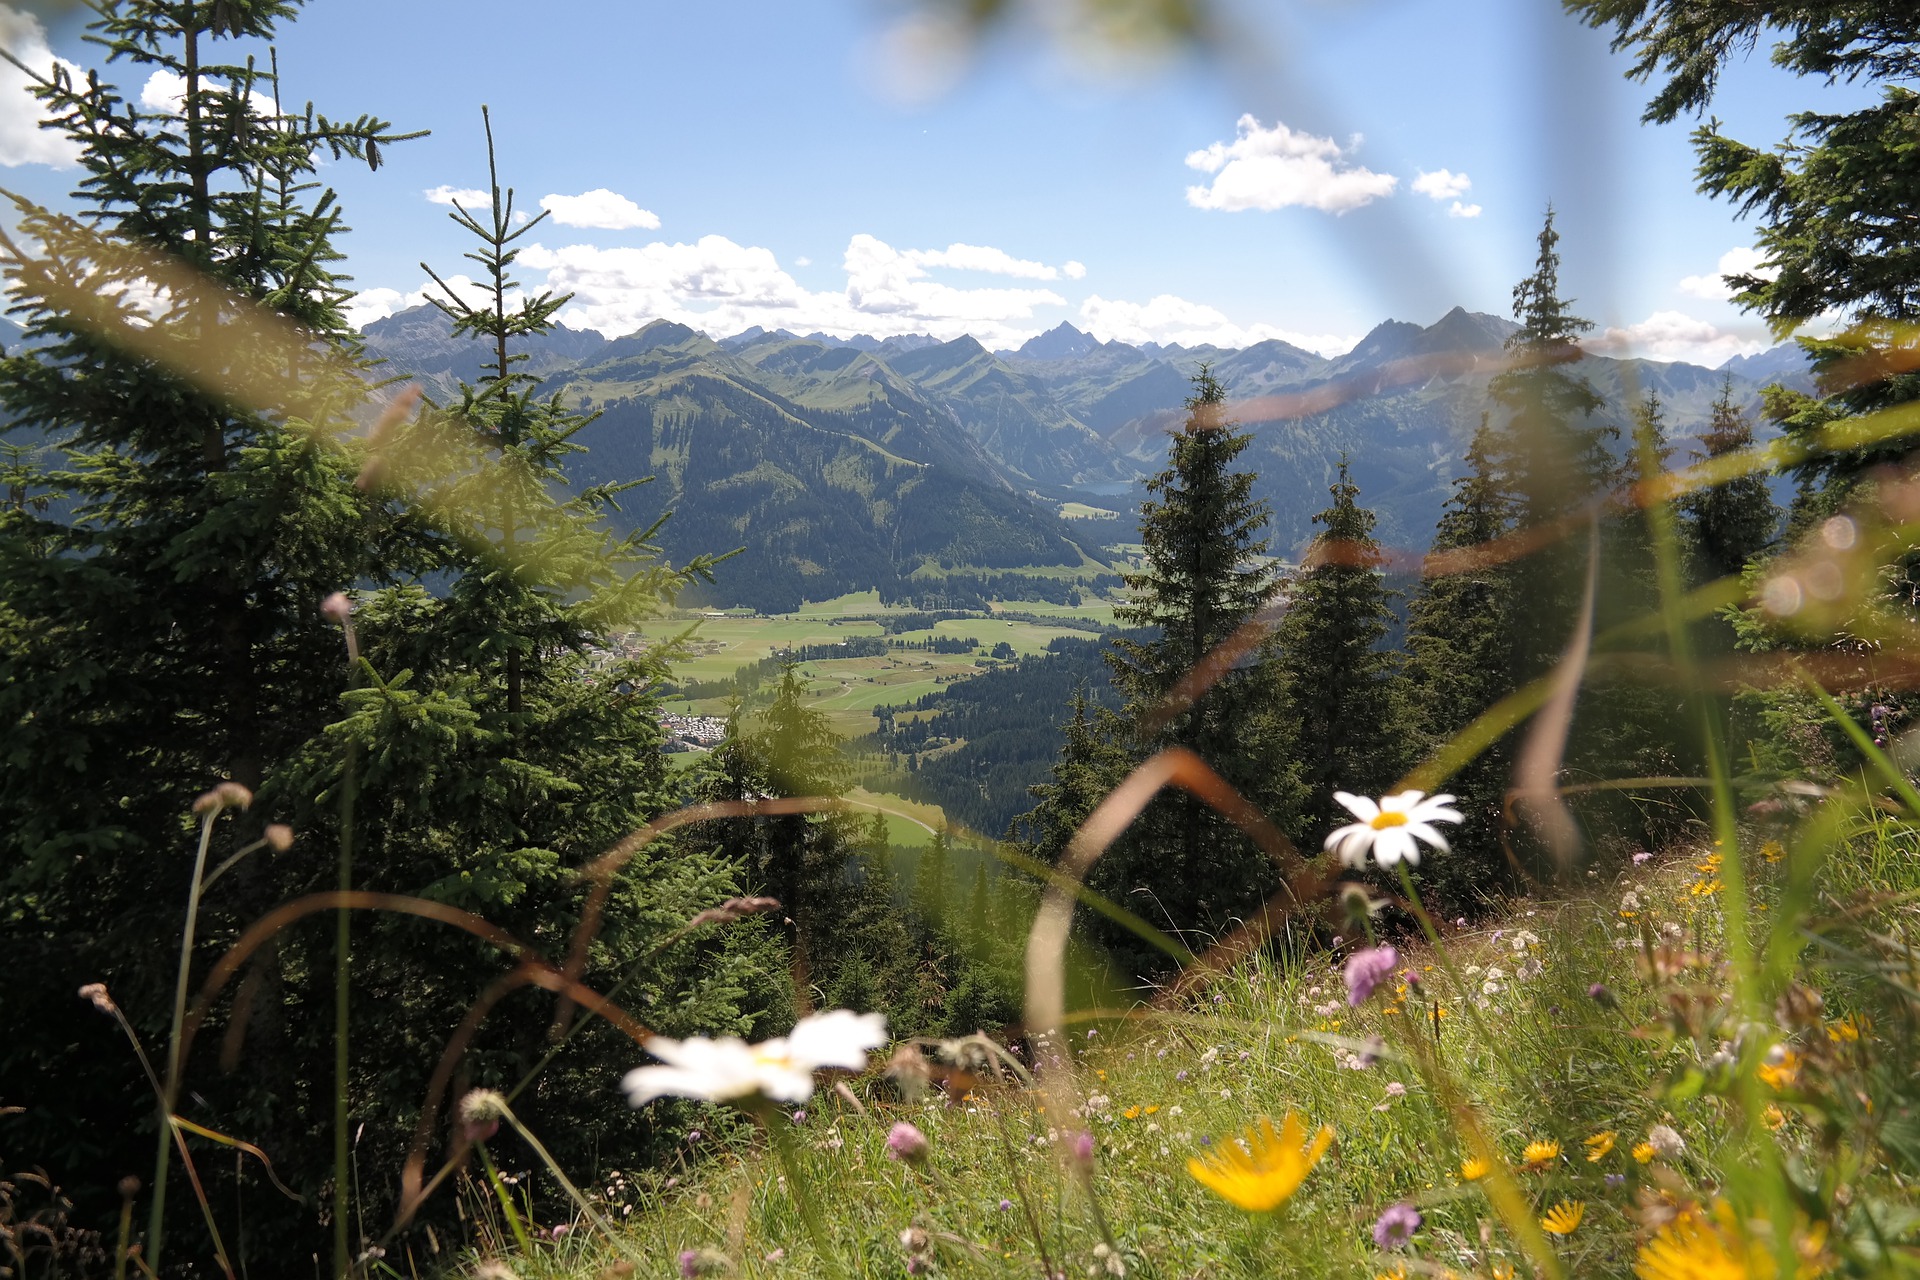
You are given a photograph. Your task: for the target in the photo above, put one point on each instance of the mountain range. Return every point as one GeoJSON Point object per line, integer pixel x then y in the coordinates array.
{"type": "Point", "coordinates": [846, 463]}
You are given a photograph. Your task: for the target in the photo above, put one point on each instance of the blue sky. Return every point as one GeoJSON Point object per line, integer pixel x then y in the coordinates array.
{"type": "Point", "coordinates": [796, 165]}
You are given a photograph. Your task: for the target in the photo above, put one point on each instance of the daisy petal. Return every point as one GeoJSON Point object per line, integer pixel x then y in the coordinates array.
{"type": "Point", "coordinates": [1359, 806]}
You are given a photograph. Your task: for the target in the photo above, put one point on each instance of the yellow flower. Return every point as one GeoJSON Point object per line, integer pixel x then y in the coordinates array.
{"type": "Point", "coordinates": [1473, 1168]}
{"type": "Point", "coordinates": [1564, 1218]}
{"type": "Point", "coordinates": [1600, 1145]}
{"type": "Point", "coordinates": [1131, 1113]}
{"type": "Point", "coordinates": [1643, 1152]}
{"type": "Point", "coordinates": [1773, 1116]}
{"type": "Point", "coordinates": [1540, 1153]}
{"type": "Point", "coordinates": [1773, 851]}
{"type": "Point", "coordinates": [1265, 1174]}
{"type": "Point", "coordinates": [1784, 1074]}
{"type": "Point", "coordinates": [1155, 1107]}
{"type": "Point", "coordinates": [1503, 1271]}
{"type": "Point", "coordinates": [1691, 1248]}
{"type": "Point", "coordinates": [1398, 1273]}
{"type": "Point", "coordinates": [1848, 1029]}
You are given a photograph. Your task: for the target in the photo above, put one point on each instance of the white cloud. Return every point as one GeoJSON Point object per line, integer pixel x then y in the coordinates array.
{"type": "Point", "coordinates": [721, 287]}
{"type": "Point", "coordinates": [599, 208]}
{"type": "Point", "coordinates": [466, 197]}
{"type": "Point", "coordinates": [1670, 335]}
{"type": "Point", "coordinates": [1442, 184]}
{"type": "Point", "coordinates": [22, 140]}
{"type": "Point", "coordinates": [974, 257]}
{"type": "Point", "coordinates": [1169, 319]}
{"type": "Point", "coordinates": [1074, 270]}
{"type": "Point", "coordinates": [1734, 262]}
{"type": "Point", "coordinates": [1273, 168]}
{"type": "Point", "coordinates": [1458, 210]}
{"type": "Point", "coordinates": [368, 305]}
{"type": "Point", "coordinates": [803, 262]}
{"type": "Point", "coordinates": [167, 91]}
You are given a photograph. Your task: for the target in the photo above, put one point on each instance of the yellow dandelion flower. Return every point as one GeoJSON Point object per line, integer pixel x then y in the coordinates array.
{"type": "Point", "coordinates": [1503, 1271]}
{"type": "Point", "coordinates": [1643, 1152]}
{"type": "Point", "coordinates": [1131, 1113]}
{"type": "Point", "coordinates": [1773, 1117]}
{"type": "Point", "coordinates": [1600, 1145]}
{"type": "Point", "coordinates": [1540, 1153]}
{"type": "Point", "coordinates": [1264, 1174]}
{"type": "Point", "coordinates": [1784, 1074]}
{"type": "Point", "coordinates": [1564, 1218]}
{"type": "Point", "coordinates": [1473, 1168]}
{"type": "Point", "coordinates": [1691, 1248]}
{"type": "Point", "coordinates": [1773, 851]}
{"type": "Point", "coordinates": [1398, 1273]}
{"type": "Point", "coordinates": [1848, 1029]}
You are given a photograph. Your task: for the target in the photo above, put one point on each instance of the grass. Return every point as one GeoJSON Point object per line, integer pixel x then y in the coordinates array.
{"type": "Point", "coordinates": [1550, 1056]}
{"type": "Point", "coordinates": [847, 689]}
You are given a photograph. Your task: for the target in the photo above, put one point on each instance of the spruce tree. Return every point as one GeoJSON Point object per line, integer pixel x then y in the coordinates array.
{"type": "Point", "coordinates": [1552, 454]}
{"type": "Point", "coordinates": [1732, 522]}
{"type": "Point", "coordinates": [1459, 647]}
{"type": "Point", "coordinates": [1340, 686]}
{"type": "Point", "coordinates": [187, 361]}
{"type": "Point", "coordinates": [499, 738]}
{"type": "Point", "coordinates": [1091, 763]}
{"type": "Point", "coordinates": [1834, 201]}
{"type": "Point", "coordinates": [1206, 573]}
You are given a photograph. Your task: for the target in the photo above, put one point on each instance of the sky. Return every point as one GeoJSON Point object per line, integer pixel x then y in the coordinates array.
{"type": "Point", "coordinates": [847, 166]}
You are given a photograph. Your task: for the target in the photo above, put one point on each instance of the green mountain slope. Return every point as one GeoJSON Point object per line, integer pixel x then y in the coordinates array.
{"type": "Point", "coordinates": [854, 486]}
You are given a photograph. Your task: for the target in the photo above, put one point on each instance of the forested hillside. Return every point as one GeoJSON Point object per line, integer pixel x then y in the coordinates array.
{"type": "Point", "coordinates": [1013, 433]}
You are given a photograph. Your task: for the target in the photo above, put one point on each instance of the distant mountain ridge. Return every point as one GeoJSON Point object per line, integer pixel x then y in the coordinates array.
{"type": "Point", "coordinates": [846, 463]}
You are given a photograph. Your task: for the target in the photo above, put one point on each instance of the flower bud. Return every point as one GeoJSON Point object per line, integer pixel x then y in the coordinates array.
{"type": "Point", "coordinates": [279, 836]}
{"type": "Point", "coordinates": [95, 993]}
{"type": "Point", "coordinates": [337, 608]}
{"type": "Point", "coordinates": [226, 795]}
{"type": "Point", "coordinates": [480, 1114]}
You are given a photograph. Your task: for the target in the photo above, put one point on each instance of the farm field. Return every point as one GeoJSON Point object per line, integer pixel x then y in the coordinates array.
{"type": "Point", "coordinates": [847, 689]}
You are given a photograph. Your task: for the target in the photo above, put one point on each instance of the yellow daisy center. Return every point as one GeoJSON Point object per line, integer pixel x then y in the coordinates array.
{"type": "Point", "coordinates": [1387, 818]}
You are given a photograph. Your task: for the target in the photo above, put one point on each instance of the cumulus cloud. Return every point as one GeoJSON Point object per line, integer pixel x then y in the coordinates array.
{"type": "Point", "coordinates": [22, 140]}
{"type": "Point", "coordinates": [975, 257]}
{"type": "Point", "coordinates": [1170, 319]}
{"type": "Point", "coordinates": [1671, 335]}
{"type": "Point", "coordinates": [1074, 270]}
{"type": "Point", "coordinates": [599, 208]}
{"type": "Point", "coordinates": [363, 308]}
{"type": "Point", "coordinates": [465, 197]}
{"type": "Point", "coordinates": [1273, 168]}
{"type": "Point", "coordinates": [1442, 184]}
{"type": "Point", "coordinates": [1459, 210]}
{"type": "Point", "coordinates": [1734, 262]}
{"type": "Point", "coordinates": [803, 262]}
{"type": "Point", "coordinates": [167, 91]}
{"type": "Point", "coordinates": [721, 287]}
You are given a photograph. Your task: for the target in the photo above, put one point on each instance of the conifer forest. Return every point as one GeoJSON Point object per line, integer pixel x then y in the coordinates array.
{"type": "Point", "coordinates": [622, 761]}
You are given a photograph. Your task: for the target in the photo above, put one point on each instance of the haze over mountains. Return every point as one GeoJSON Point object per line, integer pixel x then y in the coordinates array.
{"type": "Point", "coordinates": [847, 463]}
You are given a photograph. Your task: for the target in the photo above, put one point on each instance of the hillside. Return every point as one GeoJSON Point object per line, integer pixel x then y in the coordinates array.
{"type": "Point", "coordinates": [848, 463]}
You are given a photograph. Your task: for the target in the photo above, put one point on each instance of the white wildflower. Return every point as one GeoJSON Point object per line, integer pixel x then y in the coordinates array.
{"type": "Point", "coordinates": [781, 1069]}
{"type": "Point", "coordinates": [1392, 827]}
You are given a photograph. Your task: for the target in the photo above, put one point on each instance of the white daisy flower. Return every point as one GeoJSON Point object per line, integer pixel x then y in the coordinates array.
{"type": "Point", "coordinates": [1392, 828]}
{"type": "Point", "coordinates": [729, 1069]}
